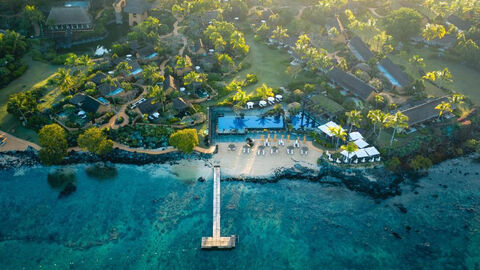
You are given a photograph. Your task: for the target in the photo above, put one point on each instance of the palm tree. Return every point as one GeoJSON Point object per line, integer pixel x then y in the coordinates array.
{"type": "Point", "coordinates": [264, 91]}
{"type": "Point", "coordinates": [85, 61]}
{"type": "Point", "coordinates": [279, 33]}
{"type": "Point", "coordinates": [443, 107]}
{"type": "Point", "coordinates": [374, 116]}
{"type": "Point", "coordinates": [457, 99]}
{"type": "Point", "coordinates": [433, 31]}
{"type": "Point", "coordinates": [398, 121]}
{"type": "Point", "coordinates": [64, 80]}
{"type": "Point", "coordinates": [158, 94]}
{"type": "Point", "coordinates": [417, 61]}
{"type": "Point", "coordinates": [350, 147]}
{"type": "Point", "coordinates": [71, 61]}
{"type": "Point", "coordinates": [379, 99]}
{"type": "Point", "coordinates": [354, 118]}
{"type": "Point", "coordinates": [240, 97]}
{"type": "Point", "coordinates": [152, 74]}
{"type": "Point", "coordinates": [383, 121]}
{"type": "Point", "coordinates": [338, 132]}
{"type": "Point", "coordinates": [123, 67]}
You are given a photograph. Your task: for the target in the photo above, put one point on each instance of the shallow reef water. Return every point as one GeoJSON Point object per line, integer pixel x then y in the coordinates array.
{"type": "Point", "coordinates": [153, 217]}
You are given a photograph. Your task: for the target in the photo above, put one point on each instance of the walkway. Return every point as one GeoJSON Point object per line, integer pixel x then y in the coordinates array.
{"type": "Point", "coordinates": [217, 241]}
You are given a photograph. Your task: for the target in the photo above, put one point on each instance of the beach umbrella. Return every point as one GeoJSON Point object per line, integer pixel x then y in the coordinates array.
{"type": "Point", "coordinates": [274, 138]}
{"type": "Point", "coordinates": [305, 150]}
{"type": "Point", "coordinates": [305, 139]}
{"type": "Point", "coordinates": [274, 149]}
{"type": "Point", "coordinates": [231, 147]}
{"type": "Point", "coordinates": [288, 138]}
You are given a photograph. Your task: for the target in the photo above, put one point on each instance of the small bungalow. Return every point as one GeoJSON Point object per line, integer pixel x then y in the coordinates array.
{"type": "Point", "coordinates": [188, 63]}
{"type": "Point", "coordinates": [460, 24]}
{"type": "Point", "coordinates": [69, 19]}
{"type": "Point", "coordinates": [351, 83]}
{"type": "Point", "coordinates": [108, 90]}
{"type": "Point", "coordinates": [146, 54]}
{"type": "Point", "coordinates": [87, 103]}
{"type": "Point", "coordinates": [424, 111]}
{"type": "Point", "coordinates": [181, 105]}
{"type": "Point", "coordinates": [148, 107]}
{"type": "Point", "coordinates": [337, 24]}
{"type": "Point", "coordinates": [394, 73]}
{"type": "Point", "coordinates": [445, 43]}
{"type": "Point", "coordinates": [169, 84]}
{"type": "Point", "coordinates": [137, 11]}
{"type": "Point", "coordinates": [198, 48]}
{"type": "Point", "coordinates": [360, 49]}
{"type": "Point", "coordinates": [98, 78]}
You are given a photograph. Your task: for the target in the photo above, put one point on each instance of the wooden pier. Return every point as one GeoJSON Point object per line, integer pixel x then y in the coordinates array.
{"type": "Point", "coordinates": [217, 241]}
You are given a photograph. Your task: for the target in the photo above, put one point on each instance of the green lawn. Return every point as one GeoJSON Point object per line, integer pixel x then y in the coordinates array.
{"type": "Point", "coordinates": [465, 80]}
{"type": "Point", "coordinates": [35, 76]}
{"type": "Point", "coordinates": [269, 64]}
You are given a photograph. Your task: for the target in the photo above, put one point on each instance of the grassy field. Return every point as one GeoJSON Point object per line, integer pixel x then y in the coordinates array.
{"type": "Point", "coordinates": [269, 65]}
{"type": "Point", "coordinates": [36, 75]}
{"type": "Point", "coordinates": [465, 80]}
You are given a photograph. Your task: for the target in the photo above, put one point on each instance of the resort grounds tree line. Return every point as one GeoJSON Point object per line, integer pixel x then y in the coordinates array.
{"type": "Point", "coordinates": [194, 54]}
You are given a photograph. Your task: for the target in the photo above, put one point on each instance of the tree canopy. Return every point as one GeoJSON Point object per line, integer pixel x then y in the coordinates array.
{"type": "Point", "coordinates": [95, 141]}
{"type": "Point", "coordinates": [184, 140]}
{"type": "Point", "coordinates": [403, 23]}
{"type": "Point", "coordinates": [53, 140]}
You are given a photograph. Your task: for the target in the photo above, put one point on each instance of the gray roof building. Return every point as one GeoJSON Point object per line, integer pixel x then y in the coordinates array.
{"type": "Point", "coordinates": [69, 16]}
{"type": "Point", "coordinates": [401, 79]}
{"type": "Point", "coordinates": [351, 83]}
{"type": "Point", "coordinates": [424, 111]}
{"type": "Point", "coordinates": [360, 49]}
{"type": "Point", "coordinates": [137, 6]}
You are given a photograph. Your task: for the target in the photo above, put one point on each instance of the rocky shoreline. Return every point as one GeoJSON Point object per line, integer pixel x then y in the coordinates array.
{"type": "Point", "coordinates": [377, 182]}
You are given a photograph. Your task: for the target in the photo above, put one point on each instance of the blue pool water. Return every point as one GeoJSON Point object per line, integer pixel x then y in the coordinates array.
{"type": "Point", "coordinates": [226, 124]}
{"type": "Point", "coordinates": [116, 92]}
{"type": "Point", "coordinates": [151, 56]}
{"type": "Point", "coordinates": [136, 71]}
{"type": "Point", "coordinates": [153, 217]}
{"type": "Point", "coordinates": [389, 76]}
{"type": "Point", "coordinates": [103, 100]}
{"type": "Point", "coordinates": [301, 120]}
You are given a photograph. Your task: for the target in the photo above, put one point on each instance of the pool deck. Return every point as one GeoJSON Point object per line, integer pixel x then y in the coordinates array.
{"type": "Point", "coordinates": [239, 164]}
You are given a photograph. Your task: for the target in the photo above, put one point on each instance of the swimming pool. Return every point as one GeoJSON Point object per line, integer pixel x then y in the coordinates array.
{"type": "Point", "coordinates": [151, 56]}
{"type": "Point", "coordinates": [136, 71]}
{"type": "Point", "coordinates": [116, 92]}
{"type": "Point", "coordinates": [389, 76]}
{"type": "Point", "coordinates": [234, 124]}
{"type": "Point", "coordinates": [103, 100]}
{"type": "Point", "coordinates": [301, 121]}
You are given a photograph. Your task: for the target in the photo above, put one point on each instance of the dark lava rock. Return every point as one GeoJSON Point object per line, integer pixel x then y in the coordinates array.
{"type": "Point", "coordinates": [397, 235]}
{"type": "Point", "coordinates": [201, 179]}
{"type": "Point", "coordinates": [400, 207]}
{"type": "Point", "coordinates": [68, 190]}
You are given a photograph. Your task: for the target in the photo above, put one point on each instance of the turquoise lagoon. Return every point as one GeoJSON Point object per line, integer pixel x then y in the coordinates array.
{"type": "Point", "coordinates": [153, 217]}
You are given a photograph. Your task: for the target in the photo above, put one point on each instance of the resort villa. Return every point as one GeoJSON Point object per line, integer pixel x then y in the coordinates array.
{"type": "Point", "coordinates": [137, 11]}
{"type": "Point", "coordinates": [359, 49]}
{"type": "Point", "coordinates": [351, 83]}
{"type": "Point", "coordinates": [423, 111]}
{"type": "Point", "coordinates": [67, 20]}
{"type": "Point", "coordinates": [393, 73]}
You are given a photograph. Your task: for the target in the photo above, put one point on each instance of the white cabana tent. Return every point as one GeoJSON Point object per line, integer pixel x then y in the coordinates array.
{"type": "Point", "coordinates": [262, 103]}
{"type": "Point", "coordinates": [347, 155]}
{"type": "Point", "coordinates": [250, 104]}
{"type": "Point", "coordinates": [361, 143]}
{"type": "Point", "coordinates": [278, 97]}
{"type": "Point", "coordinates": [324, 128]}
{"type": "Point", "coordinates": [372, 151]}
{"type": "Point", "coordinates": [353, 136]}
{"type": "Point", "coordinates": [361, 153]}
{"type": "Point", "coordinates": [271, 99]}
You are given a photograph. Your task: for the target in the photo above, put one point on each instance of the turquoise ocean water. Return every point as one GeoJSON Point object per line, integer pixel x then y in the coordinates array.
{"type": "Point", "coordinates": [148, 218]}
